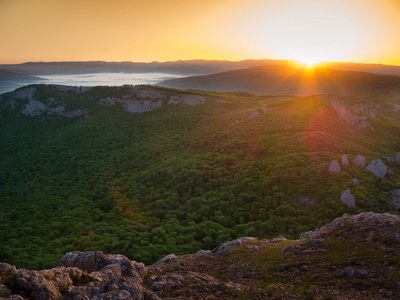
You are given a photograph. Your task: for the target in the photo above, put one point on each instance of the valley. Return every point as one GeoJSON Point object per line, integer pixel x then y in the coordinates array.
{"type": "Point", "coordinates": [146, 171]}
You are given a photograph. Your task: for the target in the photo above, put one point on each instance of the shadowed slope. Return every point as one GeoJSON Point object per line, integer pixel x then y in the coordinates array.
{"type": "Point", "coordinates": [281, 79]}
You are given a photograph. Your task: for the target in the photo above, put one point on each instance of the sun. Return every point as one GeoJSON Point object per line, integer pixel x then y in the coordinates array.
{"type": "Point", "coordinates": [308, 62]}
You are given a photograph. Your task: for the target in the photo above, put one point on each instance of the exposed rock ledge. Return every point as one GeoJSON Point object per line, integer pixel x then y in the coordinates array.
{"type": "Point", "coordinates": [351, 249]}
{"type": "Point", "coordinates": [354, 114]}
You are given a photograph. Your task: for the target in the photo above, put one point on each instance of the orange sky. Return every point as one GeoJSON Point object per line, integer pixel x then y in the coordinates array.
{"type": "Point", "coordinates": [168, 30]}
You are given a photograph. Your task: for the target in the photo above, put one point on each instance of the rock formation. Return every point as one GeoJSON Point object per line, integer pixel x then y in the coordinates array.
{"type": "Point", "coordinates": [334, 167]}
{"type": "Point", "coordinates": [347, 198]}
{"type": "Point", "coordinates": [390, 159]}
{"type": "Point", "coordinates": [397, 158]}
{"type": "Point", "coordinates": [355, 181]}
{"type": "Point", "coordinates": [140, 106]}
{"type": "Point", "coordinates": [347, 251]}
{"type": "Point", "coordinates": [377, 167]}
{"type": "Point", "coordinates": [187, 99]}
{"type": "Point", "coordinates": [224, 248]}
{"type": "Point", "coordinates": [359, 160]}
{"type": "Point", "coordinates": [394, 197]}
{"type": "Point", "coordinates": [345, 161]}
{"type": "Point", "coordinates": [346, 114]}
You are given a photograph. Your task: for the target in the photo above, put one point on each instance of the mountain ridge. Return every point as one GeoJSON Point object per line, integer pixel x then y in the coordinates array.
{"type": "Point", "coordinates": [189, 67]}
{"type": "Point", "coordinates": [286, 80]}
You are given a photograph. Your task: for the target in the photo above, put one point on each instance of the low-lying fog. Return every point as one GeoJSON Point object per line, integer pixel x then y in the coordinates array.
{"type": "Point", "coordinates": [111, 79]}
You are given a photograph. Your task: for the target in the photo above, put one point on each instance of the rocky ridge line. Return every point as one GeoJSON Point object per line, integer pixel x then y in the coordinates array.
{"type": "Point", "coordinates": [244, 267]}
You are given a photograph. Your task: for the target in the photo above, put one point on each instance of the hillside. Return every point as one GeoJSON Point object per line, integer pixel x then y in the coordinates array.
{"type": "Point", "coordinates": [13, 76]}
{"type": "Point", "coordinates": [147, 171]}
{"type": "Point", "coordinates": [286, 80]}
{"type": "Point", "coordinates": [354, 257]}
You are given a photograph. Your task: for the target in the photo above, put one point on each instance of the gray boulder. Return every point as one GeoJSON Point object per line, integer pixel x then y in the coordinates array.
{"type": "Point", "coordinates": [359, 160]}
{"type": "Point", "coordinates": [166, 259]}
{"type": "Point", "coordinates": [394, 197]}
{"type": "Point", "coordinates": [224, 248]}
{"type": "Point", "coordinates": [345, 160]}
{"type": "Point", "coordinates": [377, 167]}
{"type": "Point", "coordinates": [334, 167]}
{"type": "Point", "coordinates": [355, 181]}
{"type": "Point", "coordinates": [95, 261]}
{"type": "Point", "coordinates": [397, 158]}
{"type": "Point", "coordinates": [347, 198]}
{"type": "Point", "coordinates": [204, 252]}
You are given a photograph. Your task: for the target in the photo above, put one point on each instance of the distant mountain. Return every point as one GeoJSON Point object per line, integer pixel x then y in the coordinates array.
{"type": "Point", "coordinates": [187, 67]}
{"type": "Point", "coordinates": [283, 79]}
{"type": "Point", "coordinates": [183, 67]}
{"type": "Point", "coordinates": [371, 68]}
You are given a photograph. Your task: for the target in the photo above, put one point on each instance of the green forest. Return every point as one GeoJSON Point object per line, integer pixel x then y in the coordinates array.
{"type": "Point", "coordinates": [180, 178]}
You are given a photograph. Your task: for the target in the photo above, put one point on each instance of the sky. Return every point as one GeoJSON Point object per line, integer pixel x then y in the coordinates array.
{"type": "Point", "coordinates": [365, 31]}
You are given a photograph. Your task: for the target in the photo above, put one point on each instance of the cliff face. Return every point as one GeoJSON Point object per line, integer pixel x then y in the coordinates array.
{"type": "Point", "coordinates": [353, 257]}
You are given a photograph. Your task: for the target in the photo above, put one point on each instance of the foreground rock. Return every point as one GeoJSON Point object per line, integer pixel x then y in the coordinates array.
{"type": "Point", "coordinates": [328, 262]}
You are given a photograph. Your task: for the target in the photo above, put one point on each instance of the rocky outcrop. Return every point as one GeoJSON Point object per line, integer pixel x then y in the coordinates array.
{"type": "Point", "coordinates": [76, 89]}
{"type": "Point", "coordinates": [191, 100]}
{"type": "Point", "coordinates": [24, 93]}
{"type": "Point", "coordinates": [377, 167]}
{"type": "Point", "coordinates": [166, 259]}
{"type": "Point", "coordinates": [355, 181]}
{"type": "Point", "coordinates": [80, 275]}
{"type": "Point", "coordinates": [345, 113]}
{"type": "Point", "coordinates": [365, 108]}
{"type": "Point", "coordinates": [96, 260]}
{"type": "Point", "coordinates": [140, 106]}
{"type": "Point", "coordinates": [34, 108]}
{"type": "Point", "coordinates": [224, 248]}
{"type": "Point", "coordinates": [394, 197]}
{"type": "Point", "coordinates": [347, 198]}
{"type": "Point", "coordinates": [37, 108]}
{"type": "Point", "coordinates": [356, 226]}
{"type": "Point", "coordinates": [359, 160]}
{"type": "Point", "coordinates": [345, 161]}
{"type": "Point", "coordinates": [146, 93]}
{"type": "Point", "coordinates": [334, 167]}
{"type": "Point", "coordinates": [246, 267]}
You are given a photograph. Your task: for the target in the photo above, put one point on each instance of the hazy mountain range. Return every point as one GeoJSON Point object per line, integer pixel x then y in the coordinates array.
{"type": "Point", "coordinates": [253, 76]}
{"type": "Point", "coordinates": [283, 79]}
{"type": "Point", "coordinates": [178, 67]}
